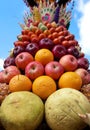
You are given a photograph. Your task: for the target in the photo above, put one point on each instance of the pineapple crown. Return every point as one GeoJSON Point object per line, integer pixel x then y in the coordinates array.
{"type": "Point", "coordinates": [48, 10]}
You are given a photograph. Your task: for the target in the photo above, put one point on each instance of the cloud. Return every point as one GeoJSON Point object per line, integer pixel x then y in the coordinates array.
{"type": "Point", "coordinates": [1, 64]}
{"type": "Point", "coordinates": [84, 25]}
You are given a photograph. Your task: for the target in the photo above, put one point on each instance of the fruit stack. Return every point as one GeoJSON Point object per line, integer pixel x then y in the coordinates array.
{"type": "Point", "coordinates": [46, 56]}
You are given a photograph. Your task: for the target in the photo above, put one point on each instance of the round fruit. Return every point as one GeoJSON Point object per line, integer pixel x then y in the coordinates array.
{"type": "Point", "coordinates": [54, 69]}
{"type": "Point", "coordinates": [21, 111]}
{"type": "Point", "coordinates": [34, 69]}
{"type": "Point", "coordinates": [32, 48]}
{"type": "Point", "coordinates": [58, 51]}
{"type": "Point", "coordinates": [62, 109]}
{"type": "Point", "coordinates": [69, 62]}
{"type": "Point", "coordinates": [9, 61]}
{"type": "Point", "coordinates": [20, 83]}
{"type": "Point", "coordinates": [43, 86]}
{"type": "Point", "coordinates": [70, 80]}
{"type": "Point", "coordinates": [44, 56]}
{"type": "Point", "coordinates": [46, 43]}
{"type": "Point", "coordinates": [23, 59]}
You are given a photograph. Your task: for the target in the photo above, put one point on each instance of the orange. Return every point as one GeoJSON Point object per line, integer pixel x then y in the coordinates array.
{"type": "Point", "coordinates": [20, 83]}
{"type": "Point", "coordinates": [70, 80]}
{"type": "Point", "coordinates": [43, 86]}
{"type": "Point", "coordinates": [44, 56]}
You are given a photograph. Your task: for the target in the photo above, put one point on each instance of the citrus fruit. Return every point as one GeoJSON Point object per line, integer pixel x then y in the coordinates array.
{"type": "Point", "coordinates": [21, 110]}
{"type": "Point", "coordinates": [43, 86]}
{"type": "Point", "coordinates": [70, 80]}
{"type": "Point", "coordinates": [20, 83]}
{"type": "Point", "coordinates": [62, 108]}
{"type": "Point", "coordinates": [44, 56]}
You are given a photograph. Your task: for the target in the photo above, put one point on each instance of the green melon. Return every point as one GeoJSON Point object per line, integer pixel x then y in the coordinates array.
{"type": "Point", "coordinates": [62, 109]}
{"type": "Point", "coordinates": [21, 111]}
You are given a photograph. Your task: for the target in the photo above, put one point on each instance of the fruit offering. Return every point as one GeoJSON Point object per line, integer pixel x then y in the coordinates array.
{"type": "Point", "coordinates": [46, 58]}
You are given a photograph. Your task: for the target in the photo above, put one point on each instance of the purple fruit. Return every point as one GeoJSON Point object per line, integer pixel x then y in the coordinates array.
{"type": "Point", "coordinates": [46, 43]}
{"type": "Point", "coordinates": [32, 48]}
{"type": "Point", "coordinates": [73, 51]}
{"type": "Point", "coordinates": [83, 63]}
{"type": "Point", "coordinates": [17, 50]}
{"type": "Point", "coordinates": [59, 51]}
{"type": "Point", "coordinates": [9, 61]}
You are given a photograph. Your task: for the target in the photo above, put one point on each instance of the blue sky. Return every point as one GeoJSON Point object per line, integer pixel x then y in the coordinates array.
{"type": "Point", "coordinates": [11, 13]}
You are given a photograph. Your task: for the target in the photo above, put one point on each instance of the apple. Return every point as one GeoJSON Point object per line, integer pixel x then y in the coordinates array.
{"type": "Point", "coordinates": [69, 62]}
{"type": "Point", "coordinates": [9, 72]}
{"type": "Point", "coordinates": [73, 50]}
{"type": "Point", "coordinates": [54, 69]}
{"type": "Point", "coordinates": [59, 51]}
{"type": "Point", "coordinates": [84, 74]}
{"type": "Point", "coordinates": [34, 69]}
{"type": "Point", "coordinates": [23, 59]}
{"type": "Point", "coordinates": [83, 63]}
{"type": "Point", "coordinates": [46, 43]}
{"type": "Point", "coordinates": [17, 50]}
{"type": "Point", "coordinates": [9, 61]}
{"type": "Point", "coordinates": [32, 48]}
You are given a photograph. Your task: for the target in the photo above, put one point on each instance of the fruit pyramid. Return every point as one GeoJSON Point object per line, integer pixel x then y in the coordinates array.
{"type": "Point", "coordinates": [46, 49]}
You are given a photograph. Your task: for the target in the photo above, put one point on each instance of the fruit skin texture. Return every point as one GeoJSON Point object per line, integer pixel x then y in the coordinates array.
{"type": "Point", "coordinates": [34, 69]}
{"type": "Point", "coordinates": [17, 50]}
{"type": "Point", "coordinates": [43, 86]}
{"type": "Point", "coordinates": [84, 74]}
{"type": "Point", "coordinates": [59, 51]}
{"type": "Point", "coordinates": [32, 48]}
{"type": "Point", "coordinates": [70, 80]}
{"type": "Point", "coordinates": [44, 56]}
{"type": "Point", "coordinates": [62, 108]}
{"type": "Point", "coordinates": [23, 59]}
{"type": "Point", "coordinates": [20, 83]}
{"type": "Point", "coordinates": [83, 63]}
{"type": "Point", "coordinates": [46, 43]}
{"type": "Point", "coordinates": [69, 62]}
{"type": "Point", "coordinates": [8, 73]}
{"type": "Point", "coordinates": [21, 111]}
{"type": "Point", "coordinates": [54, 69]}
{"type": "Point", "coordinates": [9, 61]}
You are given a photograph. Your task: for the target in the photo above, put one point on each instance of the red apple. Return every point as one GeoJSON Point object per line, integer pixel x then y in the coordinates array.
{"type": "Point", "coordinates": [17, 50]}
{"type": "Point", "coordinates": [69, 62]}
{"type": "Point", "coordinates": [9, 61]}
{"type": "Point", "coordinates": [84, 74]}
{"type": "Point", "coordinates": [34, 69]}
{"type": "Point", "coordinates": [23, 59]}
{"type": "Point", "coordinates": [73, 51]}
{"type": "Point", "coordinates": [59, 51]}
{"type": "Point", "coordinates": [9, 72]}
{"type": "Point", "coordinates": [54, 69]}
{"type": "Point", "coordinates": [32, 48]}
{"type": "Point", "coordinates": [46, 43]}
{"type": "Point", "coordinates": [83, 63]}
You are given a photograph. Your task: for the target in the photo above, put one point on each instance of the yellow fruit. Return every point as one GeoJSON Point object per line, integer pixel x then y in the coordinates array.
{"type": "Point", "coordinates": [43, 86]}
{"type": "Point", "coordinates": [20, 83]}
{"type": "Point", "coordinates": [70, 80]}
{"type": "Point", "coordinates": [62, 109]}
{"type": "Point", "coordinates": [44, 56]}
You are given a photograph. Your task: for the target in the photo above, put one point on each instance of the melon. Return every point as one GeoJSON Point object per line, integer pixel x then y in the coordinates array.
{"type": "Point", "coordinates": [63, 107]}
{"type": "Point", "coordinates": [21, 111]}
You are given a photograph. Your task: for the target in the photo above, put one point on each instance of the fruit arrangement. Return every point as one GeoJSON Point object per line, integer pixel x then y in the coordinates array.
{"type": "Point", "coordinates": [46, 58]}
